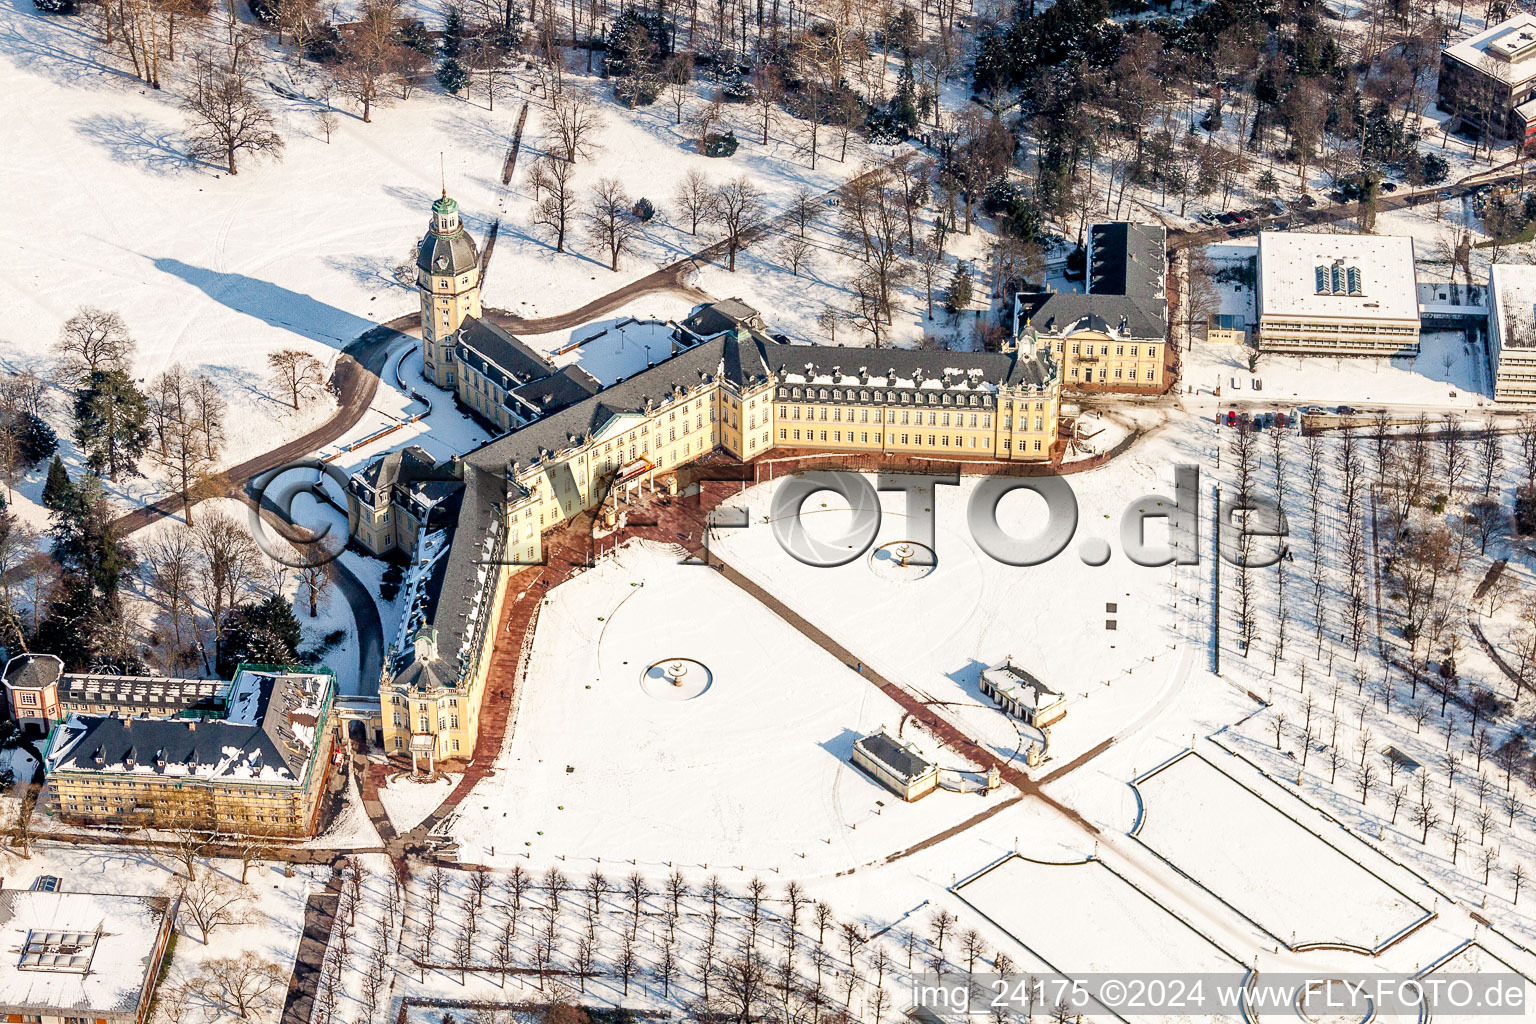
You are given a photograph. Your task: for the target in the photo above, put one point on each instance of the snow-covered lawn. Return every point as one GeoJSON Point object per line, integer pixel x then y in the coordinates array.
{"type": "Point", "coordinates": [1295, 885]}
{"type": "Point", "coordinates": [274, 912]}
{"type": "Point", "coordinates": [1105, 637]}
{"type": "Point", "coordinates": [409, 800]}
{"type": "Point", "coordinates": [1289, 381]}
{"type": "Point", "coordinates": [1474, 962]}
{"type": "Point", "coordinates": [1045, 907]}
{"type": "Point", "coordinates": [752, 772]}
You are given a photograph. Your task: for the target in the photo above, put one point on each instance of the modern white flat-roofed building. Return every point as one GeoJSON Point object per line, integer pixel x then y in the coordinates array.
{"type": "Point", "coordinates": [1337, 295]}
{"type": "Point", "coordinates": [80, 956]}
{"type": "Point", "coordinates": [1492, 75]}
{"type": "Point", "coordinates": [1512, 332]}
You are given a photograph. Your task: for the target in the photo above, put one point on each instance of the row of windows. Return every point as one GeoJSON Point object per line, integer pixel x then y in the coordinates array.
{"type": "Point", "coordinates": [810, 412]}
{"type": "Point", "coordinates": [1088, 374]}
{"type": "Point", "coordinates": [400, 744]}
{"type": "Point", "coordinates": [1104, 349]}
{"type": "Point", "coordinates": [888, 397]}
{"type": "Point", "coordinates": [910, 440]}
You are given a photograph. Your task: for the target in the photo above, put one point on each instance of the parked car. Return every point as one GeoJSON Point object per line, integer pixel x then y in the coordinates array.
{"type": "Point", "coordinates": [1282, 420]}
{"type": "Point", "coordinates": [1389, 186]}
{"type": "Point", "coordinates": [1344, 410]}
{"type": "Point", "coordinates": [1311, 410]}
{"type": "Point", "coordinates": [1231, 417]}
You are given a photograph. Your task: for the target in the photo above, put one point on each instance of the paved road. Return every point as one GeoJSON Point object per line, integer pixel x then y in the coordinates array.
{"type": "Point", "coordinates": [319, 916]}
{"type": "Point", "coordinates": [356, 379]}
{"type": "Point", "coordinates": [1511, 171]}
{"type": "Point", "coordinates": [671, 278]}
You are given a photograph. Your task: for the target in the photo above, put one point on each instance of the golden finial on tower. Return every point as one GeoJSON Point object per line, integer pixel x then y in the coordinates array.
{"type": "Point", "coordinates": [443, 170]}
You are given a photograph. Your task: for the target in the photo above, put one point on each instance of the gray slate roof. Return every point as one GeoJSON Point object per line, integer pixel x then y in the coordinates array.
{"type": "Point", "coordinates": [1013, 369]}
{"type": "Point", "coordinates": [1061, 313]}
{"type": "Point", "coordinates": [462, 580]}
{"type": "Point", "coordinates": [1128, 259]}
{"type": "Point", "coordinates": [33, 670]}
{"type": "Point", "coordinates": [724, 354]}
{"type": "Point", "coordinates": [498, 355]}
{"type": "Point", "coordinates": [453, 253]}
{"type": "Point", "coordinates": [566, 387]}
{"type": "Point", "coordinates": [377, 479]}
{"type": "Point", "coordinates": [901, 761]}
{"type": "Point", "coordinates": [271, 740]}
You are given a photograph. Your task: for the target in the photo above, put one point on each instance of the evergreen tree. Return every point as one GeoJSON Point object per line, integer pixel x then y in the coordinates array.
{"type": "Point", "coordinates": [267, 633]}
{"type": "Point", "coordinates": [85, 623]}
{"type": "Point", "coordinates": [452, 44]}
{"type": "Point", "coordinates": [452, 72]}
{"type": "Point", "coordinates": [58, 488]}
{"type": "Point", "coordinates": [452, 75]}
{"type": "Point", "coordinates": [111, 417]}
{"type": "Point", "coordinates": [86, 541]}
{"type": "Point", "coordinates": [35, 439]}
{"type": "Point", "coordinates": [958, 295]}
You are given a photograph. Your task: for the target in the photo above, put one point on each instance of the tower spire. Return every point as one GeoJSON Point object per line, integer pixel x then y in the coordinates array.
{"type": "Point", "coordinates": [443, 170]}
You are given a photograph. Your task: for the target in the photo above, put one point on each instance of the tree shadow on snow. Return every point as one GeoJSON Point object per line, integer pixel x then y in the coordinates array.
{"type": "Point", "coordinates": [135, 141]}
{"type": "Point", "coordinates": [370, 271]}
{"type": "Point", "coordinates": [272, 304]}
{"type": "Point", "coordinates": [475, 131]}
{"type": "Point", "coordinates": [62, 47]}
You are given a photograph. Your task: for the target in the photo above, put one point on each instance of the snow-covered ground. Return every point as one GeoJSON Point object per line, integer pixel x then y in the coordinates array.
{"type": "Point", "coordinates": [270, 906]}
{"type": "Point", "coordinates": [1294, 884]}
{"type": "Point", "coordinates": [1033, 901]}
{"type": "Point", "coordinates": [408, 800]}
{"type": "Point", "coordinates": [752, 771]}
{"type": "Point", "coordinates": [936, 634]}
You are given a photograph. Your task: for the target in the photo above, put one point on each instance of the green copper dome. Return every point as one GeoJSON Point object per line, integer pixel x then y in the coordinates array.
{"type": "Point", "coordinates": [447, 249]}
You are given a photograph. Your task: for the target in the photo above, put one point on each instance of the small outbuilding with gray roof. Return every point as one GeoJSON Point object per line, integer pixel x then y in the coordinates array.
{"type": "Point", "coordinates": [895, 765]}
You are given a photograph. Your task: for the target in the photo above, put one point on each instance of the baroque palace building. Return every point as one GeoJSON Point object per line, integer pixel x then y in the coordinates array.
{"type": "Point", "coordinates": [1114, 335]}
{"type": "Point", "coordinates": [572, 444]}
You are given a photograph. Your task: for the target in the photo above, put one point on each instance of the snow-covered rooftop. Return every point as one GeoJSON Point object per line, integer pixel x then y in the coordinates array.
{"type": "Point", "coordinates": [265, 734]}
{"type": "Point", "coordinates": [77, 954]}
{"type": "Point", "coordinates": [1514, 304]}
{"type": "Point", "coordinates": [1507, 50]}
{"type": "Point", "coordinates": [1374, 279]}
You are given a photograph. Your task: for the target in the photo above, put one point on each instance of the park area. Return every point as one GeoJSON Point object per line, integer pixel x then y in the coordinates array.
{"type": "Point", "coordinates": [1035, 903]}
{"type": "Point", "coordinates": [668, 713]}
{"type": "Point", "coordinates": [1265, 864]}
{"type": "Point", "coordinates": [1107, 637]}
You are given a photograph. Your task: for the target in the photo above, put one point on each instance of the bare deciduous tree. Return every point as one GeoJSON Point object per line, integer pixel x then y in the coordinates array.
{"type": "Point", "coordinates": [694, 195]}
{"type": "Point", "coordinates": [224, 118]}
{"type": "Point", "coordinates": [610, 224]}
{"type": "Point", "coordinates": [554, 193]}
{"type": "Point", "coordinates": [576, 124]}
{"type": "Point", "coordinates": [91, 341]}
{"type": "Point", "coordinates": [246, 986]}
{"type": "Point", "coordinates": [737, 205]}
{"type": "Point", "coordinates": [296, 374]}
{"type": "Point", "coordinates": [212, 902]}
